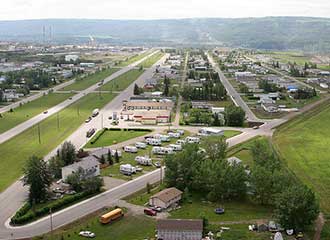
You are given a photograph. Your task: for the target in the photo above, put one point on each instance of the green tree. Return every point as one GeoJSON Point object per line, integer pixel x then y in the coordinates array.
{"type": "Point", "coordinates": [93, 184]}
{"type": "Point", "coordinates": [148, 187]}
{"type": "Point", "coordinates": [234, 116]}
{"type": "Point", "coordinates": [136, 90]}
{"type": "Point", "coordinates": [296, 207]}
{"type": "Point", "coordinates": [109, 157]}
{"type": "Point", "coordinates": [67, 153]}
{"type": "Point", "coordinates": [38, 177]}
{"type": "Point", "coordinates": [215, 147]}
{"type": "Point", "coordinates": [75, 180]}
{"type": "Point", "coordinates": [116, 156]}
{"type": "Point", "coordinates": [102, 159]}
{"type": "Point", "coordinates": [55, 165]}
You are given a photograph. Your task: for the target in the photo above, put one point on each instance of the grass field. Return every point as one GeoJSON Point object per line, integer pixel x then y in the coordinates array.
{"type": "Point", "coordinates": [235, 211]}
{"type": "Point", "coordinates": [111, 137]}
{"type": "Point", "coordinates": [151, 60]}
{"type": "Point", "coordinates": [17, 150]}
{"type": "Point", "coordinates": [303, 144]}
{"type": "Point", "coordinates": [88, 81]}
{"type": "Point", "coordinates": [123, 81]}
{"type": "Point", "coordinates": [231, 133]}
{"type": "Point", "coordinates": [292, 57]}
{"type": "Point", "coordinates": [31, 109]}
{"type": "Point", "coordinates": [133, 59]}
{"type": "Point", "coordinates": [128, 228]}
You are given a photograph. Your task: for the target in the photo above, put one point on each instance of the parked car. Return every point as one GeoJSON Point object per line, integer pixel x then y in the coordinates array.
{"type": "Point", "coordinates": [150, 212]}
{"type": "Point", "coordinates": [157, 164]}
{"type": "Point", "coordinates": [157, 209]}
{"type": "Point", "coordinates": [88, 120]}
{"type": "Point", "coordinates": [90, 132]}
{"type": "Point", "coordinates": [45, 112]}
{"type": "Point", "coordinates": [87, 234]}
{"type": "Point", "coordinates": [256, 127]}
{"type": "Point", "coordinates": [219, 210]}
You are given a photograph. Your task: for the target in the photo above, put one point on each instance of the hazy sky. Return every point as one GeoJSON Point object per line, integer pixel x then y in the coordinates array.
{"type": "Point", "coordinates": [156, 9]}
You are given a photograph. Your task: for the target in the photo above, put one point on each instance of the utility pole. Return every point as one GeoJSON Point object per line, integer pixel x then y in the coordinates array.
{"type": "Point", "coordinates": [39, 133]}
{"type": "Point", "coordinates": [78, 110]}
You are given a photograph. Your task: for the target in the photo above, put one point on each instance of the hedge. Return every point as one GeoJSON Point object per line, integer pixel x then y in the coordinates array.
{"type": "Point", "coordinates": [98, 135]}
{"type": "Point", "coordinates": [24, 215]}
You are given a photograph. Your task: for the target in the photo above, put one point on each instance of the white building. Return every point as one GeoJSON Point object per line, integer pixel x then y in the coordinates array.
{"type": "Point", "coordinates": [89, 166]}
{"type": "Point", "coordinates": [73, 58]}
{"type": "Point", "coordinates": [211, 132]}
{"type": "Point", "coordinates": [178, 229]}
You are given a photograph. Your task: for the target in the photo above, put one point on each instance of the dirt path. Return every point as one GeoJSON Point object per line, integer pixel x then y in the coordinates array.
{"type": "Point", "coordinates": [319, 226]}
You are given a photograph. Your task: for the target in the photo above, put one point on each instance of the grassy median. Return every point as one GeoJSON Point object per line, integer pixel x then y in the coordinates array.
{"type": "Point", "coordinates": [17, 150]}
{"type": "Point", "coordinates": [151, 60]}
{"type": "Point", "coordinates": [90, 80]}
{"type": "Point", "coordinates": [31, 109]}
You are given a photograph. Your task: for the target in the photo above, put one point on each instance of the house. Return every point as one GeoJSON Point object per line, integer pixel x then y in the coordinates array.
{"type": "Point", "coordinates": [89, 166]}
{"type": "Point", "coordinates": [245, 76]}
{"type": "Point", "coordinates": [178, 229]}
{"type": "Point", "coordinates": [201, 105]}
{"type": "Point", "coordinates": [166, 198]}
{"type": "Point", "coordinates": [217, 110]}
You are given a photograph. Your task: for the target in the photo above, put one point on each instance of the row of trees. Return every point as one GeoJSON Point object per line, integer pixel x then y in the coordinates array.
{"type": "Point", "coordinates": [213, 91]}
{"type": "Point", "coordinates": [304, 93]}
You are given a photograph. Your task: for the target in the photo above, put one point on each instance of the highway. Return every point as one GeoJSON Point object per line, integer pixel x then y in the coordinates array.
{"type": "Point", "coordinates": [40, 117]}
{"type": "Point", "coordinates": [236, 97]}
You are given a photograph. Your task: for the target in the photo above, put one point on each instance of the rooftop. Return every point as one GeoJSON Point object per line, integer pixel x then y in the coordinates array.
{"type": "Point", "coordinates": [179, 224]}
{"type": "Point", "coordinates": [167, 194]}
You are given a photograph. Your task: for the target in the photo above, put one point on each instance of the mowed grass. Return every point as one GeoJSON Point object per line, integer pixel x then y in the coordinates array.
{"type": "Point", "coordinates": [110, 137]}
{"type": "Point", "coordinates": [17, 150]}
{"type": "Point", "coordinates": [231, 133]}
{"type": "Point", "coordinates": [31, 109]}
{"type": "Point", "coordinates": [121, 82]}
{"type": "Point", "coordinates": [151, 60]}
{"type": "Point", "coordinates": [133, 59]}
{"type": "Point", "coordinates": [234, 211]}
{"type": "Point", "coordinates": [303, 144]}
{"type": "Point", "coordinates": [82, 84]}
{"type": "Point", "coordinates": [130, 227]}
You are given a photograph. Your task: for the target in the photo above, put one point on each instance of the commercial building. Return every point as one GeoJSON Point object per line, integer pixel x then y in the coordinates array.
{"type": "Point", "coordinates": [166, 198]}
{"type": "Point", "coordinates": [177, 229]}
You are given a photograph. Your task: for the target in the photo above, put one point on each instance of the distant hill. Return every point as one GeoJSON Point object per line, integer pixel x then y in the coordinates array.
{"type": "Point", "coordinates": [282, 33]}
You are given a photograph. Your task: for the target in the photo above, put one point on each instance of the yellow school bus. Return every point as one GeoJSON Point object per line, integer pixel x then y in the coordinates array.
{"type": "Point", "coordinates": [111, 216]}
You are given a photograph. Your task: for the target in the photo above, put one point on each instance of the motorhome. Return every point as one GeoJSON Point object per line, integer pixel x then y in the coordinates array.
{"type": "Point", "coordinates": [192, 139]}
{"type": "Point", "coordinates": [175, 147]}
{"type": "Point", "coordinates": [127, 169]}
{"type": "Point", "coordinates": [141, 145]}
{"type": "Point", "coordinates": [146, 161]}
{"type": "Point", "coordinates": [130, 149]}
{"type": "Point", "coordinates": [154, 141]}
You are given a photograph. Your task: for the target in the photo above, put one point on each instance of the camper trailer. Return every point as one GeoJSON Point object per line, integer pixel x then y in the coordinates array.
{"type": "Point", "coordinates": [127, 169]}
{"type": "Point", "coordinates": [146, 161]}
{"type": "Point", "coordinates": [141, 145]}
{"type": "Point", "coordinates": [192, 139]}
{"type": "Point", "coordinates": [174, 135]}
{"type": "Point", "coordinates": [175, 147]}
{"type": "Point", "coordinates": [163, 138]}
{"type": "Point", "coordinates": [154, 142]}
{"type": "Point", "coordinates": [162, 150]}
{"type": "Point", "coordinates": [130, 149]}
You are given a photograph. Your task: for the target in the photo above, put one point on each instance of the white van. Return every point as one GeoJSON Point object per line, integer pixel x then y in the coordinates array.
{"type": "Point", "coordinates": [130, 149]}
{"type": "Point", "coordinates": [175, 147]}
{"type": "Point", "coordinates": [141, 145]}
{"type": "Point", "coordinates": [146, 161]}
{"type": "Point", "coordinates": [127, 169]}
{"type": "Point", "coordinates": [192, 139]}
{"type": "Point", "coordinates": [154, 141]}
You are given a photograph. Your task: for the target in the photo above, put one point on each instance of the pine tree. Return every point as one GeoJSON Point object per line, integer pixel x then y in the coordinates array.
{"type": "Point", "coordinates": [116, 157]}
{"type": "Point", "coordinates": [110, 160]}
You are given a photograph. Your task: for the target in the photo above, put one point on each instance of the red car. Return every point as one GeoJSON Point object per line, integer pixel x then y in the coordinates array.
{"type": "Point", "coordinates": [150, 212]}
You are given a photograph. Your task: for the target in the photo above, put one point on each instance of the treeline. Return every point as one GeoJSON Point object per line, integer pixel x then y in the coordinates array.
{"type": "Point", "coordinates": [212, 91]}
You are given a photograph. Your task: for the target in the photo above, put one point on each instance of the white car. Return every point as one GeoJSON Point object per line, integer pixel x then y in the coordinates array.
{"type": "Point", "coordinates": [87, 234]}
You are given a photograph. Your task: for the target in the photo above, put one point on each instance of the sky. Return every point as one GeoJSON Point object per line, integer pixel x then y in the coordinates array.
{"type": "Point", "coordinates": [160, 9]}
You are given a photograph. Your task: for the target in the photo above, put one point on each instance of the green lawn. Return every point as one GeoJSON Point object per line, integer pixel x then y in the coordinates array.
{"type": "Point", "coordinates": [31, 109]}
{"type": "Point", "coordinates": [15, 151]}
{"type": "Point", "coordinates": [121, 82]}
{"type": "Point", "coordinates": [130, 227]}
{"type": "Point", "coordinates": [303, 144]}
{"type": "Point", "coordinates": [234, 211]}
{"type": "Point", "coordinates": [231, 133]}
{"type": "Point", "coordinates": [111, 137]}
{"type": "Point", "coordinates": [151, 60]}
{"type": "Point", "coordinates": [133, 59]}
{"type": "Point", "coordinates": [88, 81]}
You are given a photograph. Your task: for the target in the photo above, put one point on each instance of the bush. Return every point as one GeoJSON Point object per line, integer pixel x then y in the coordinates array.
{"type": "Point", "coordinates": [98, 135]}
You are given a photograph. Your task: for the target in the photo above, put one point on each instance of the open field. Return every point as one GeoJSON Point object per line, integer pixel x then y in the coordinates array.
{"type": "Point", "coordinates": [123, 81]}
{"type": "Point", "coordinates": [31, 109]}
{"type": "Point", "coordinates": [231, 133]}
{"type": "Point", "coordinates": [88, 81]}
{"type": "Point", "coordinates": [133, 59]}
{"type": "Point", "coordinates": [130, 227]}
{"type": "Point", "coordinates": [292, 57]}
{"type": "Point", "coordinates": [111, 137]}
{"type": "Point", "coordinates": [151, 60]}
{"type": "Point", "coordinates": [303, 144]}
{"type": "Point", "coordinates": [15, 151]}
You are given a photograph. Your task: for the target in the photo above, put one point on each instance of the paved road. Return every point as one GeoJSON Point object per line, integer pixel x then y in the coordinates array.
{"type": "Point", "coordinates": [35, 96]}
{"type": "Point", "coordinates": [233, 93]}
{"type": "Point", "coordinates": [33, 121]}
